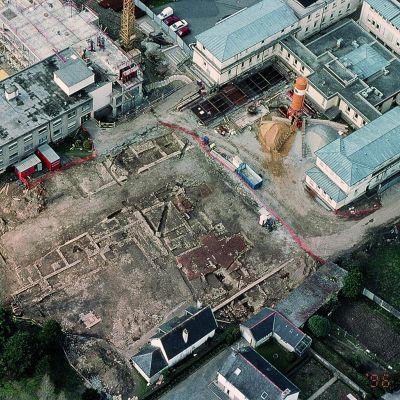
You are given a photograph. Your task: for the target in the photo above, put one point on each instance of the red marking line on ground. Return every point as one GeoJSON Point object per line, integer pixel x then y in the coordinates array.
{"type": "Point", "coordinates": [79, 161]}
{"type": "Point", "coordinates": [290, 230]}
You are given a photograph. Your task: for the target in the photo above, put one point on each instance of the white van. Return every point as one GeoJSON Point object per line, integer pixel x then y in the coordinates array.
{"type": "Point", "coordinates": [167, 12]}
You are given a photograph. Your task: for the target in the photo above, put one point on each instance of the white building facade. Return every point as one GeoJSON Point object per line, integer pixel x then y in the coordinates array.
{"type": "Point", "coordinates": [382, 19]}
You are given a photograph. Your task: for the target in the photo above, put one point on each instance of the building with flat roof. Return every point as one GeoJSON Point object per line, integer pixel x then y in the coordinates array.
{"type": "Point", "coordinates": [382, 19]}
{"type": "Point", "coordinates": [246, 375]}
{"type": "Point", "coordinates": [357, 164]}
{"type": "Point", "coordinates": [349, 72]}
{"type": "Point", "coordinates": [242, 41]}
{"type": "Point", "coordinates": [316, 15]}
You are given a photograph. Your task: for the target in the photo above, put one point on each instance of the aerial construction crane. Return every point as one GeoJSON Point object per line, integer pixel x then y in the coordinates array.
{"type": "Point", "coordinates": [127, 25]}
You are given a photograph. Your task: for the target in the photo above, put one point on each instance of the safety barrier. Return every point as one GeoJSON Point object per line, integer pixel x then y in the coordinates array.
{"type": "Point", "coordinates": [32, 184]}
{"type": "Point", "coordinates": [289, 229]}
{"type": "Point", "coordinates": [357, 213]}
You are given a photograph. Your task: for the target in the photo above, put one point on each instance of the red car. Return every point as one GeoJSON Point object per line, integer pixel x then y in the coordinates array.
{"type": "Point", "coordinates": [183, 31]}
{"type": "Point", "coordinates": [171, 20]}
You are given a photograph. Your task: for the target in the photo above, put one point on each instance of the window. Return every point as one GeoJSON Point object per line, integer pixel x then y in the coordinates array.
{"type": "Point", "coordinates": [309, 17]}
{"type": "Point", "coordinates": [57, 132]}
{"type": "Point", "coordinates": [71, 114]}
{"type": "Point", "coordinates": [13, 146]}
{"type": "Point", "coordinates": [14, 155]}
{"type": "Point", "coordinates": [315, 24]}
{"type": "Point", "coordinates": [377, 26]}
{"type": "Point", "coordinates": [355, 115]}
{"type": "Point", "coordinates": [86, 107]}
{"type": "Point", "coordinates": [348, 6]}
{"type": "Point", "coordinates": [242, 64]}
{"type": "Point", "coordinates": [1, 152]}
{"type": "Point", "coordinates": [282, 30]}
{"type": "Point", "coordinates": [28, 138]}
{"type": "Point", "coordinates": [331, 16]}
{"type": "Point", "coordinates": [205, 64]}
{"type": "Point", "coordinates": [302, 68]}
{"type": "Point", "coordinates": [288, 55]}
{"type": "Point", "coordinates": [42, 140]}
{"type": "Point", "coordinates": [229, 72]}
{"type": "Point", "coordinates": [281, 48]}
{"type": "Point", "coordinates": [295, 61]}
{"type": "Point", "coordinates": [258, 56]}
{"type": "Point", "coordinates": [204, 47]}
{"type": "Point", "coordinates": [71, 124]}
{"type": "Point", "coordinates": [323, 19]}
{"type": "Point", "coordinates": [339, 12]}
{"type": "Point", "coordinates": [57, 122]}
{"type": "Point", "coordinates": [307, 29]}
{"type": "Point", "coordinates": [333, 5]}
{"type": "Point", "coordinates": [251, 58]}
{"type": "Point", "coordinates": [348, 109]}
{"type": "Point", "coordinates": [28, 147]}
{"type": "Point", "coordinates": [43, 130]}
{"type": "Point", "coordinates": [262, 42]}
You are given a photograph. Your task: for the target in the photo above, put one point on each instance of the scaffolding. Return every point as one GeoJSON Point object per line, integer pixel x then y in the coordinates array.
{"type": "Point", "coordinates": [127, 25]}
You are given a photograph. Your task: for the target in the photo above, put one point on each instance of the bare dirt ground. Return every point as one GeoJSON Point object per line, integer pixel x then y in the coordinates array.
{"type": "Point", "coordinates": [110, 238]}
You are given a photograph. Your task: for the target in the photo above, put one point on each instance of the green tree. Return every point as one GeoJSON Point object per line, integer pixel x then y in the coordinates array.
{"type": "Point", "coordinates": [353, 283]}
{"type": "Point", "coordinates": [46, 390]}
{"type": "Point", "coordinates": [319, 326]}
{"type": "Point", "coordinates": [91, 394]}
{"type": "Point", "coordinates": [51, 334]}
{"type": "Point", "coordinates": [7, 326]}
{"type": "Point", "coordinates": [19, 354]}
{"type": "Point", "coordinates": [62, 396]}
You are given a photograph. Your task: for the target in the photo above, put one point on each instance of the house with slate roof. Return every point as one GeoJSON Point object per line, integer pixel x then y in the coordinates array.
{"type": "Point", "coordinates": [243, 40]}
{"type": "Point", "coordinates": [364, 161]}
{"type": "Point", "coordinates": [246, 375]}
{"type": "Point", "coordinates": [175, 340]}
{"type": "Point", "coordinates": [270, 323]}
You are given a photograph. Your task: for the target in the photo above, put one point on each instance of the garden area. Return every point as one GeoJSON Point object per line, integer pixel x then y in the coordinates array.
{"type": "Point", "coordinates": [280, 358]}
{"type": "Point", "coordinates": [76, 145]}
{"type": "Point", "coordinates": [33, 365]}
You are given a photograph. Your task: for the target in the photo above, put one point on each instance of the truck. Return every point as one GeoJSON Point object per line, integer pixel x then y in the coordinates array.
{"type": "Point", "coordinates": [249, 176]}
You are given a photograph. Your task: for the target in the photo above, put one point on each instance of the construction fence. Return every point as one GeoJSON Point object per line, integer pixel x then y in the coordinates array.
{"type": "Point", "coordinates": [166, 29]}
{"type": "Point", "coordinates": [386, 306]}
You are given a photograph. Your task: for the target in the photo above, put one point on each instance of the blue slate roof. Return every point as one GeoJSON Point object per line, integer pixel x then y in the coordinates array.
{"type": "Point", "coordinates": [388, 9]}
{"type": "Point", "coordinates": [150, 360]}
{"type": "Point", "coordinates": [247, 28]}
{"type": "Point", "coordinates": [328, 186]}
{"type": "Point", "coordinates": [197, 326]}
{"type": "Point", "coordinates": [365, 61]}
{"type": "Point", "coordinates": [358, 155]}
{"type": "Point", "coordinates": [254, 376]}
{"type": "Point", "coordinates": [269, 321]}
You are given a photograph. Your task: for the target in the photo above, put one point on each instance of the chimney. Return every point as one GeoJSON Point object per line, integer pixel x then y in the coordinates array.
{"type": "Point", "coordinates": [11, 92]}
{"type": "Point", "coordinates": [185, 335]}
{"type": "Point", "coordinates": [199, 304]}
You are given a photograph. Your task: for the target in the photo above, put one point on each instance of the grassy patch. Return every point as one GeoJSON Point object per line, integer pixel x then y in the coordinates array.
{"type": "Point", "coordinates": [382, 273]}
{"type": "Point", "coordinates": [280, 358]}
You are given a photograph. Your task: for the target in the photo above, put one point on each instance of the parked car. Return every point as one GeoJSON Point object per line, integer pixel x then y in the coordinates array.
{"type": "Point", "coordinates": [171, 20]}
{"type": "Point", "coordinates": [167, 12]}
{"type": "Point", "coordinates": [178, 25]}
{"type": "Point", "coordinates": [183, 31]}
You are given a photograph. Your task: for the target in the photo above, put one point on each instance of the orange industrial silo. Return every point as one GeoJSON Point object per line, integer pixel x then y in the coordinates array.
{"type": "Point", "coordinates": [299, 93]}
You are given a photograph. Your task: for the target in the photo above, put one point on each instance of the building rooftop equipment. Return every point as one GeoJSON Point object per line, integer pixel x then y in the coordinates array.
{"type": "Point", "coordinates": [255, 377]}
{"type": "Point", "coordinates": [38, 100]}
{"type": "Point", "coordinates": [304, 301]}
{"type": "Point", "coordinates": [27, 163]}
{"type": "Point", "coordinates": [389, 9]}
{"type": "Point", "coordinates": [360, 70]}
{"type": "Point", "coordinates": [74, 73]}
{"type": "Point", "coordinates": [363, 152]}
{"type": "Point", "coordinates": [246, 28]}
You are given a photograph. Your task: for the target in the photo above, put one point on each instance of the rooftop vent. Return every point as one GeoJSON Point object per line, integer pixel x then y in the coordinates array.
{"type": "Point", "coordinates": [11, 92]}
{"type": "Point", "coordinates": [185, 335]}
{"type": "Point", "coordinates": [355, 44]}
{"type": "Point", "coordinates": [285, 393]}
{"type": "Point", "coordinates": [237, 371]}
{"type": "Point", "coordinates": [339, 43]}
{"type": "Point", "coordinates": [385, 71]}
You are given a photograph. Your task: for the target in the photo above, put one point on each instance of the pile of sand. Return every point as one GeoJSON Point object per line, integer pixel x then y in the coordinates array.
{"type": "Point", "coordinates": [273, 134]}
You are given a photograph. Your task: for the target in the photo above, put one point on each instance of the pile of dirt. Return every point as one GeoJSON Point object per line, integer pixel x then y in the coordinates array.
{"type": "Point", "coordinates": [18, 204]}
{"type": "Point", "coordinates": [273, 135]}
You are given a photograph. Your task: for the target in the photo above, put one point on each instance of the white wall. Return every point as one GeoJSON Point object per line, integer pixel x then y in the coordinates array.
{"type": "Point", "coordinates": [157, 343]}
{"type": "Point", "coordinates": [231, 391]}
{"type": "Point", "coordinates": [69, 90]}
{"type": "Point", "coordinates": [101, 96]}
{"type": "Point", "coordinates": [383, 29]}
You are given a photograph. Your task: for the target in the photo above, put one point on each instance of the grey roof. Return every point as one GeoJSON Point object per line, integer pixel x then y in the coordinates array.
{"type": "Point", "coordinates": [49, 153]}
{"type": "Point", "coordinates": [73, 72]}
{"type": "Point", "coordinates": [150, 360]}
{"type": "Point", "coordinates": [390, 10]}
{"type": "Point", "coordinates": [363, 152]}
{"type": "Point", "coordinates": [247, 28]}
{"type": "Point", "coordinates": [40, 99]}
{"type": "Point", "coordinates": [198, 325]}
{"type": "Point", "coordinates": [269, 321]}
{"type": "Point", "coordinates": [312, 294]}
{"type": "Point", "coordinates": [27, 163]}
{"type": "Point", "coordinates": [254, 376]}
{"type": "Point", "coordinates": [326, 184]}
{"type": "Point", "coordinates": [349, 70]}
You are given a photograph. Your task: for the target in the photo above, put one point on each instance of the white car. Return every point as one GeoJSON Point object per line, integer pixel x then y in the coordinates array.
{"type": "Point", "coordinates": [167, 12]}
{"type": "Point", "coordinates": [178, 25]}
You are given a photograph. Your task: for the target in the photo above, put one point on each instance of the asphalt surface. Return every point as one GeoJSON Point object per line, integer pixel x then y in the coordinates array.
{"type": "Point", "coordinates": [204, 14]}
